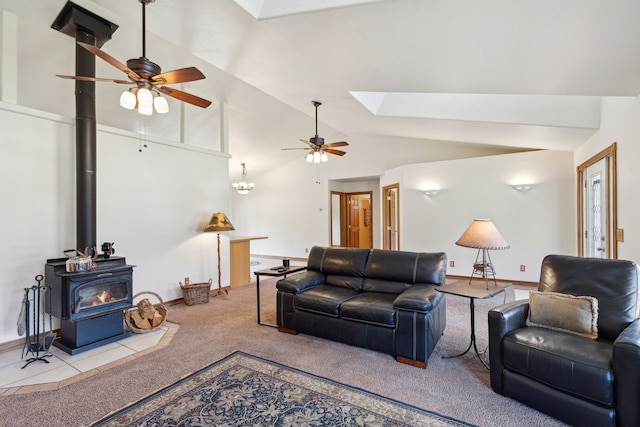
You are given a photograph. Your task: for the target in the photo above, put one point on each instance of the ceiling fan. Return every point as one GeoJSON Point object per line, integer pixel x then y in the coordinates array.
{"type": "Point", "coordinates": [147, 78]}
{"type": "Point", "coordinates": [318, 149]}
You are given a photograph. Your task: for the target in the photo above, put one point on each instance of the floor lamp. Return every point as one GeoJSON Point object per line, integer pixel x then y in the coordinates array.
{"type": "Point", "coordinates": [218, 223]}
{"type": "Point", "coordinates": [483, 235]}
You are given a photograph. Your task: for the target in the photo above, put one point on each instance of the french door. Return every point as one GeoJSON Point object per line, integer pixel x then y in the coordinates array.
{"type": "Point", "coordinates": [597, 206]}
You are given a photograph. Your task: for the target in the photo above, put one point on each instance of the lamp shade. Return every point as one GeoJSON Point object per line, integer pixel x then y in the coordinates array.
{"type": "Point", "coordinates": [482, 234]}
{"type": "Point", "coordinates": [219, 222]}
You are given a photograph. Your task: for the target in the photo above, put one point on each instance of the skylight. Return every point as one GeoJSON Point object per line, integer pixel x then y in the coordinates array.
{"type": "Point", "coordinates": [266, 9]}
{"type": "Point", "coordinates": [537, 110]}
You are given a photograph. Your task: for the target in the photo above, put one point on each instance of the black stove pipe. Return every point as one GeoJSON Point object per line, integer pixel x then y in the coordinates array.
{"type": "Point", "coordinates": [85, 26]}
{"type": "Point", "coordinates": [86, 163]}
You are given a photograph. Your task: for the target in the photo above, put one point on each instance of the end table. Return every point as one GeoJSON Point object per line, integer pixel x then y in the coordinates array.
{"type": "Point", "coordinates": [273, 272]}
{"type": "Point", "coordinates": [472, 290]}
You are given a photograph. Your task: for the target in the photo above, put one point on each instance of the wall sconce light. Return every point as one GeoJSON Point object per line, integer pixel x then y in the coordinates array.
{"type": "Point", "coordinates": [431, 193]}
{"type": "Point", "coordinates": [522, 188]}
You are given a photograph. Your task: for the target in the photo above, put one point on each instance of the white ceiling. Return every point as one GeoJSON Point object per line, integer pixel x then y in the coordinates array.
{"type": "Point", "coordinates": [526, 74]}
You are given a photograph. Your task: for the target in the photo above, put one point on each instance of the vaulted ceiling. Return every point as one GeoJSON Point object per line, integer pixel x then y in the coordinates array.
{"type": "Point", "coordinates": [512, 74]}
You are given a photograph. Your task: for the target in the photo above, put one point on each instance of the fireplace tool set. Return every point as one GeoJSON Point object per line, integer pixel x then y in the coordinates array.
{"type": "Point", "coordinates": [32, 322]}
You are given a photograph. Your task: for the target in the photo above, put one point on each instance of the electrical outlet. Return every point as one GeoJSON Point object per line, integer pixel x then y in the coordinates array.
{"type": "Point", "coordinates": [522, 268]}
{"type": "Point", "coordinates": [452, 263]}
{"type": "Point", "coordinates": [306, 250]}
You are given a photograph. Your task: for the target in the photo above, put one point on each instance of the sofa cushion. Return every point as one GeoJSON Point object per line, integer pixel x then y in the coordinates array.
{"type": "Point", "coordinates": [568, 362]}
{"type": "Point", "coordinates": [325, 299]}
{"type": "Point", "coordinates": [385, 286]}
{"type": "Point", "coordinates": [562, 312]}
{"type": "Point", "coordinates": [342, 266]}
{"type": "Point", "coordinates": [394, 266]}
{"type": "Point", "coordinates": [370, 307]}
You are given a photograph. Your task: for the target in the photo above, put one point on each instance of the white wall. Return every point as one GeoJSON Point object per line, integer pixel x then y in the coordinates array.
{"type": "Point", "coordinates": [535, 223]}
{"type": "Point", "coordinates": [620, 122]}
{"type": "Point", "coordinates": [288, 207]}
{"type": "Point", "coordinates": [151, 204]}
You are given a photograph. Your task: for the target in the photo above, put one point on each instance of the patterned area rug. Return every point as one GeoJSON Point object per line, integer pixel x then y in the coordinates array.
{"type": "Point", "coordinates": [245, 390]}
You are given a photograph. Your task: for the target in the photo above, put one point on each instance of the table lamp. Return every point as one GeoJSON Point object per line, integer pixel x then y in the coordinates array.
{"type": "Point", "coordinates": [219, 222]}
{"type": "Point", "coordinates": [483, 235]}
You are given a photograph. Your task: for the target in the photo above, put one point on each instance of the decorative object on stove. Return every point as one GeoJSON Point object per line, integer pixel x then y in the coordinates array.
{"type": "Point", "coordinates": [146, 316]}
{"type": "Point", "coordinates": [147, 79]}
{"type": "Point", "coordinates": [38, 340]}
{"type": "Point", "coordinates": [196, 293]}
{"type": "Point", "coordinates": [218, 223]}
{"type": "Point", "coordinates": [483, 235]}
{"type": "Point", "coordinates": [243, 187]}
{"type": "Point", "coordinates": [108, 250]}
{"type": "Point", "coordinates": [80, 261]}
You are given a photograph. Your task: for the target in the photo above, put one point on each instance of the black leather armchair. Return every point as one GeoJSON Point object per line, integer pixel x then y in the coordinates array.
{"type": "Point", "coordinates": [581, 381]}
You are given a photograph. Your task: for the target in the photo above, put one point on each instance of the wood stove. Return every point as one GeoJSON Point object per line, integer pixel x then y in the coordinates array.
{"type": "Point", "coordinates": [90, 303]}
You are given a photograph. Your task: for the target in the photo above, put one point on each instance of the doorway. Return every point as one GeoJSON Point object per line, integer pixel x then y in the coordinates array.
{"type": "Point", "coordinates": [598, 233]}
{"type": "Point", "coordinates": [351, 219]}
{"type": "Point", "coordinates": [391, 217]}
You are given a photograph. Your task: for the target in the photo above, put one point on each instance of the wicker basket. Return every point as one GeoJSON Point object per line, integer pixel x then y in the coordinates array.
{"type": "Point", "coordinates": [196, 293]}
{"type": "Point", "coordinates": [160, 308]}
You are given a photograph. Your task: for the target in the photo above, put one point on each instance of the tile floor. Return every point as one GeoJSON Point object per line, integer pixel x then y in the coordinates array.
{"type": "Point", "coordinates": [64, 368]}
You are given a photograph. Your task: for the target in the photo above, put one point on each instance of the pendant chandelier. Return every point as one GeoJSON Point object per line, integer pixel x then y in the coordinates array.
{"type": "Point", "coordinates": [243, 187]}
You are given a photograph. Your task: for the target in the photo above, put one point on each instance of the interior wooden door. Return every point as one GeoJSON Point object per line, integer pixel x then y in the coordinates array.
{"type": "Point", "coordinates": [391, 217]}
{"type": "Point", "coordinates": [354, 221]}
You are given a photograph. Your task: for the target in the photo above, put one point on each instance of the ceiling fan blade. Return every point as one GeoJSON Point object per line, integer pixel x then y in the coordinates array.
{"type": "Point", "coordinates": [336, 144]}
{"type": "Point", "coordinates": [182, 75]}
{"type": "Point", "coordinates": [332, 151]}
{"type": "Point", "coordinates": [110, 59]}
{"type": "Point", "coordinates": [299, 148]}
{"type": "Point", "coordinates": [95, 79]}
{"type": "Point", "coordinates": [184, 96]}
{"type": "Point", "coordinates": [309, 143]}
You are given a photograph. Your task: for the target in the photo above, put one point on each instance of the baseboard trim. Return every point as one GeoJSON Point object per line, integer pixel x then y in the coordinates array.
{"type": "Point", "coordinates": [411, 362]}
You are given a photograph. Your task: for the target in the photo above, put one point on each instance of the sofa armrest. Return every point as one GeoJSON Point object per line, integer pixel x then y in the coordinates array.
{"type": "Point", "coordinates": [626, 359]}
{"type": "Point", "coordinates": [502, 320]}
{"type": "Point", "coordinates": [301, 281]}
{"type": "Point", "coordinates": [418, 298]}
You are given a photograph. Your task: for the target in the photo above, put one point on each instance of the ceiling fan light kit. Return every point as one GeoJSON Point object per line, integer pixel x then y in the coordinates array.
{"type": "Point", "coordinates": [147, 78]}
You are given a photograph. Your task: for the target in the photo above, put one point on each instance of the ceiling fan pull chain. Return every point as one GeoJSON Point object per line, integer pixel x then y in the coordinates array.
{"type": "Point", "coordinates": [143, 134]}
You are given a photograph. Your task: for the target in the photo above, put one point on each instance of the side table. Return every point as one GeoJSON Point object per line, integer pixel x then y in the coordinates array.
{"type": "Point", "coordinates": [273, 272]}
{"type": "Point", "coordinates": [473, 291]}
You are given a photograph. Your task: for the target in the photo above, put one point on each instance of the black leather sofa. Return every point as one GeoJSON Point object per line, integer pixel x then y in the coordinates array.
{"type": "Point", "coordinates": [377, 299]}
{"type": "Point", "coordinates": [581, 381]}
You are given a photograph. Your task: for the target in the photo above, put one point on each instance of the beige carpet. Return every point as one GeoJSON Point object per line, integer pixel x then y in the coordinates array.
{"type": "Point", "coordinates": [458, 388]}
